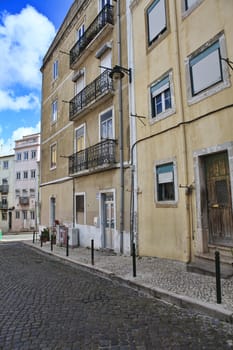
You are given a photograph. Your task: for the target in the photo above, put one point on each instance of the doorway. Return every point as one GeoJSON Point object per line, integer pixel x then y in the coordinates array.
{"type": "Point", "coordinates": [108, 219]}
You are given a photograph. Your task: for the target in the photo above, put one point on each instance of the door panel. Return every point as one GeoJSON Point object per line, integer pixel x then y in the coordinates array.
{"type": "Point", "coordinates": [219, 202]}
{"type": "Point", "coordinates": [109, 220]}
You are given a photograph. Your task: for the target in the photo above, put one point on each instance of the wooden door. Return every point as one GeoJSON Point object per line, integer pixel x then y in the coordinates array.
{"type": "Point", "coordinates": [219, 200]}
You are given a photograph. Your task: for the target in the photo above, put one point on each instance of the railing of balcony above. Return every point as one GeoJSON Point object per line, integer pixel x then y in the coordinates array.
{"type": "Point", "coordinates": [4, 188]}
{"type": "Point", "coordinates": [102, 153]}
{"type": "Point", "coordinates": [23, 200]}
{"type": "Point", "coordinates": [97, 88]}
{"type": "Point", "coordinates": [104, 17]}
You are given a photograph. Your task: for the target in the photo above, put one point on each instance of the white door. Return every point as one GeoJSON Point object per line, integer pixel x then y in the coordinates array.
{"type": "Point", "coordinates": [108, 220]}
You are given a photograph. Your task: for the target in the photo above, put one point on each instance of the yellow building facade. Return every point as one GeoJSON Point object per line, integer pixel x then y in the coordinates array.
{"type": "Point", "coordinates": [85, 127]}
{"type": "Point", "coordinates": [183, 155]}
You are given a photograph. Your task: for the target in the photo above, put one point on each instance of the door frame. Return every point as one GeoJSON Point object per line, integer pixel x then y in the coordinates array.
{"type": "Point", "coordinates": [101, 209]}
{"type": "Point", "coordinates": [201, 237]}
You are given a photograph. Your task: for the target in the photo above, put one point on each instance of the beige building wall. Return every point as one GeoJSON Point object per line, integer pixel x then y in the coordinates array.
{"type": "Point", "coordinates": [194, 128]}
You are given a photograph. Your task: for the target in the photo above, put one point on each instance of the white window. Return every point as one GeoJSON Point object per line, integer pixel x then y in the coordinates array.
{"type": "Point", "coordinates": [32, 214]}
{"type": "Point", "coordinates": [17, 214]}
{"type": "Point", "coordinates": [25, 214]}
{"type": "Point", "coordinates": [17, 193]}
{"type": "Point", "coordinates": [80, 32]}
{"type": "Point", "coordinates": [79, 84]}
{"type": "Point", "coordinates": [156, 20]}
{"type": "Point", "coordinates": [166, 189]}
{"type": "Point", "coordinates": [25, 174]}
{"type": "Point", "coordinates": [161, 96]}
{"type": "Point", "coordinates": [18, 175]}
{"type": "Point", "coordinates": [55, 70]}
{"type": "Point", "coordinates": [106, 125]}
{"type": "Point", "coordinates": [33, 174]}
{"type": "Point", "coordinates": [207, 72]}
{"type": "Point", "coordinates": [53, 156]}
{"type": "Point", "coordinates": [80, 138]}
{"type": "Point", "coordinates": [54, 112]}
{"type": "Point", "coordinates": [106, 60]}
{"type": "Point", "coordinates": [5, 164]}
{"type": "Point", "coordinates": [32, 192]}
{"type": "Point", "coordinates": [18, 156]}
{"type": "Point", "coordinates": [103, 3]}
{"type": "Point", "coordinates": [33, 154]}
{"type": "Point", "coordinates": [25, 155]}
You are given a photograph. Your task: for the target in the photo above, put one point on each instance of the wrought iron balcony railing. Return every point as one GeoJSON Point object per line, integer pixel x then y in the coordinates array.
{"type": "Point", "coordinates": [99, 87]}
{"type": "Point", "coordinates": [4, 188]}
{"type": "Point", "coordinates": [4, 205]}
{"type": "Point", "coordinates": [104, 17]}
{"type": "Point", "coordinates": [100, 154]}
{"type": "Point", "coordinates": [23, 200]}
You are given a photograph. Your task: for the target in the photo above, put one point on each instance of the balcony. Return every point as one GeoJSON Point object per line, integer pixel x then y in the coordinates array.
{"type": "Point", "coordinates": [101, 154]}
{"type": "Point", "coordinates": [98, 89]}
{"type": "Point", "coordinates": [98, 28]}
{"type": "Point", "coordinates": [23, 200]}
{"type": "Point", "coordinates": [4, 205]}
{"type": "Point", "coordinates": [4, 188]}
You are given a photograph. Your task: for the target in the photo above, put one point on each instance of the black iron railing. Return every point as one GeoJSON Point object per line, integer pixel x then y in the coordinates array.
{"type": "Point", "coordinates": [104, 17]}
{"type": "Point", "coordinates": [94, 156]}
{"type": "Point", "coordinates": [100, 86]}
{"type": "Point", "coordinates": [4, 188]}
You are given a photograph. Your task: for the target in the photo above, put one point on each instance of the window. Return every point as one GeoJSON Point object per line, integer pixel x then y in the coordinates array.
{"type": "Point", "coordinates": [33, 154]}
{"type": "Point", "coordinates": [156, 20]}
{"type": "Point", "coordinates": [25, 192]}
{"type": "Point", "coordinates": [80, 138]}
{"type": "Point", "coordinates": [5, 164]}
{"type": "Point", "coordinates": [161, 93]}
{"type": "Point", "coordinates": [32, 214]}
{"type": "Point", "coordinates": [54, 112]}
{"type": "Point", "coordinates": [208, 73]}
{"type": "Point", "coordinates": [189, 4]}
{"type": "Point", "coordinates": [25, 155]}
{"type": "Point", "coordinates": [53, 156]}
{"type": "Point", "coordinates": [17, 214]}
{"type": "Point", "coordinates": [80, 32]}
{"type": "Point", "coordinates": [55, 70]}
{"type": "Point", "coordinates": [33, 174]}
{"type": "Point", "coordinates": [18, 175]}
{"type": "Point", "coordinates": [4, 181]}
{"type": "Point", "coordinates": [18, 156]}
{"type": "Point", "coordinates": [25, 174]}
{"type": "Point", "coordinates": [4, 216]}
{"type": "Point", "coordinates": [25, 214]}
{"type": "Point", "coordinates": [80, 214]}
{"type": "Point", "coordinates": [32, 192]}
{"type": "Point", "coordinates": [17, 193]}
{"type": "Point", "coordinates": [106, 125]}
{"type": "Point", "coordinates": [79, 85]}
{"type": "Point", "coordinates": [165, 183]}
{"type": "Point", "coordinates": [4, 202]}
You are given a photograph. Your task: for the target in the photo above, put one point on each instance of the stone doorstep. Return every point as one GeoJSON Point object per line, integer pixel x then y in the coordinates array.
{"type": "Point", "coordinates": [205, 264]}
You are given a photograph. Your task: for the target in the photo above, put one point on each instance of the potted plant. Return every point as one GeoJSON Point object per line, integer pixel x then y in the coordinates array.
{"type": "Point", "coordinates": [45, 235]}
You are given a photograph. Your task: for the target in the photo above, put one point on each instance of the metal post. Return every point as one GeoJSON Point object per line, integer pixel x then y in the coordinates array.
{"type": "Point", "coordinates": [33, 237]}
{"type": "Point", "coordinates": [41, 242]}
{"type": "Point", "coordinates": [67, 245]}
{"type": "Point", "coordinates": [218, 277]}
{"type": "Point", "coordinates": [51, 238]}
{"type": "Point", "coordinates": [134, 260]}
{"type": "Point", "coordinates": [92, 252]}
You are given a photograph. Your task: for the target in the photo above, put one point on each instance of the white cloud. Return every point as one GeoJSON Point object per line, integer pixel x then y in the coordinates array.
{"type": "Point", "coordinates": [7, 147]}
{"type": "Point", "coordinates": [24, 38]}
{"type": "Point", "coordinates": [8, 101]}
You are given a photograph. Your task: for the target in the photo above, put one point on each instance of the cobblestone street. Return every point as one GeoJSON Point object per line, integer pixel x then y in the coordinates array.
{"type": "Point", "coordinates": [47, 304]}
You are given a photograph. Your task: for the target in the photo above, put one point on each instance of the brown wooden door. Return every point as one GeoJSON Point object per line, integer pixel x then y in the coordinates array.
{"type": "Point", "coordinates": [219, 201]}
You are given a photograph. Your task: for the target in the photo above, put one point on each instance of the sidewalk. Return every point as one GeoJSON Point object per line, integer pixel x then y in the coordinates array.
{"type": "Point", "coordinates": [160, 278]}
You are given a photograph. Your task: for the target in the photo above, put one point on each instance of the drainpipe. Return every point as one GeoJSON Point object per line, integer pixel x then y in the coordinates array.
{"type": "Point", "coordinates": [184, 146]}
{"type": "Point", "coordinates": [121, 129]}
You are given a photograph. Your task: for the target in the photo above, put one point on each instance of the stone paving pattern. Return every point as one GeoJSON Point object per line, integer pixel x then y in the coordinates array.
{"type": "Point", "coordinates": [166, 274]}
{"type": "Point", "coordinates": [47, 304]}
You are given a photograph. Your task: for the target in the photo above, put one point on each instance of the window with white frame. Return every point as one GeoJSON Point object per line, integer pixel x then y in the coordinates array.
{"type": "Point", "coordinates": [18, 156]}
{"type": "Point", "coordinates": [25, 155]}
{"type": "Point", "coordinates": [54, 112]}
{"type": "Point", "coordinates": [80, 138]}
{"type": "Point", "coordinates": [32, 192]}
{"type": "Point", "coordinates": [5, 164]}
{"type": "Point", "coordinates": [25, 174]}
{"type": "Point", "coordinates": [156, 20]}
{"type": "Point", "coordinates": [18, 175]}
{"type": "Point", "coordinates": [17, 193]}
{"type": "Point", "coordinates": [106, 125]}
{"type": "Point", "coordinates": [80, 31]}
{"type": "Point", "coordinates": [189, 3]}
{"type": "Point", "coordinates": [80, 209]}
{"type": "Point", "coordinates": [17, 214]}
{"type": "Point", "coordinates": [33, 154]}
{"type": "Point", "coordinates": [33, 174]}
{"type": "Point", "coordinates": [55, 69]}
{"type": "Point", "coordinates": [165, 182]}
{"type": "Point", "coordinates": [25, 214]}
{"type": "Point", "coordinates": [207, 72]}
{"type": "Point", "coordinates": [32, 214]}
{"type": "Point", "coordinates": [53, 156]}
{"type": "Point", "coordinates": [161, 97]}
{"type": "Point", "coordinates": [79, 84]}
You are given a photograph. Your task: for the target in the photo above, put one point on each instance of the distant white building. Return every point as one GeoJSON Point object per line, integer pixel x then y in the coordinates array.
{"type": "Point", "coordinates": [27, 158]}
{"type": "Point", "coordinates": [7, 181]}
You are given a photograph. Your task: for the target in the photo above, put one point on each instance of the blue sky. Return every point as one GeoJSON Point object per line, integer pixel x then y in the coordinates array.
{"type": "Point", "coordinates": [26, 31]}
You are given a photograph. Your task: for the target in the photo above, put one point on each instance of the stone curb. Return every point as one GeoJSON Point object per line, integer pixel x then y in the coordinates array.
{"type": "Point", "coordinates": [181, 301]}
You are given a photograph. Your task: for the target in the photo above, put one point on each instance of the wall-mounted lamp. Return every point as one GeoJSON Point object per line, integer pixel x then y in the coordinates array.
{"type": "Point", "coordinates": [118, 72]}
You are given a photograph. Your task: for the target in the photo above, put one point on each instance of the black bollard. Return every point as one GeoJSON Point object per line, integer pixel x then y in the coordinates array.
{"type": "Point", "coordinates": [41, 242]}
{"type": "Point", "coordinates": [92, 252]}
{"type": "Point", "coordinates": [67, 245]}
{"type": "Point", "coordinates": [51, 238]}
{"type": "Point", "coordinates": [218, 277]}
{"type": "Point", "coordinates": [134, 260]}
{"type": "Point", "coordinates": [33, 237]}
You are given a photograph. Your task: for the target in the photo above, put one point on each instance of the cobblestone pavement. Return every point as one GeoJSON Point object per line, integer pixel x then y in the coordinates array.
{"type": "Point", "coordinates": [47, 304]}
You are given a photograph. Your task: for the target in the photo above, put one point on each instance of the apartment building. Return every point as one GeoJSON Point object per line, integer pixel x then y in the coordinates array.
{"type": "Point", "coordinates": [183, 188]}
{"type": "Point", "coordinates": [85, 135]}
{"type": "Point", "coordinates": [6, 192]}
{"type": "Point", "coordinates": [26, 177]}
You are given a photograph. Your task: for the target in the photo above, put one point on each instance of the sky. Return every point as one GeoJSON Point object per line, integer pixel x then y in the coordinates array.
{"type": "Point", "coordinates": [27, 29]}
